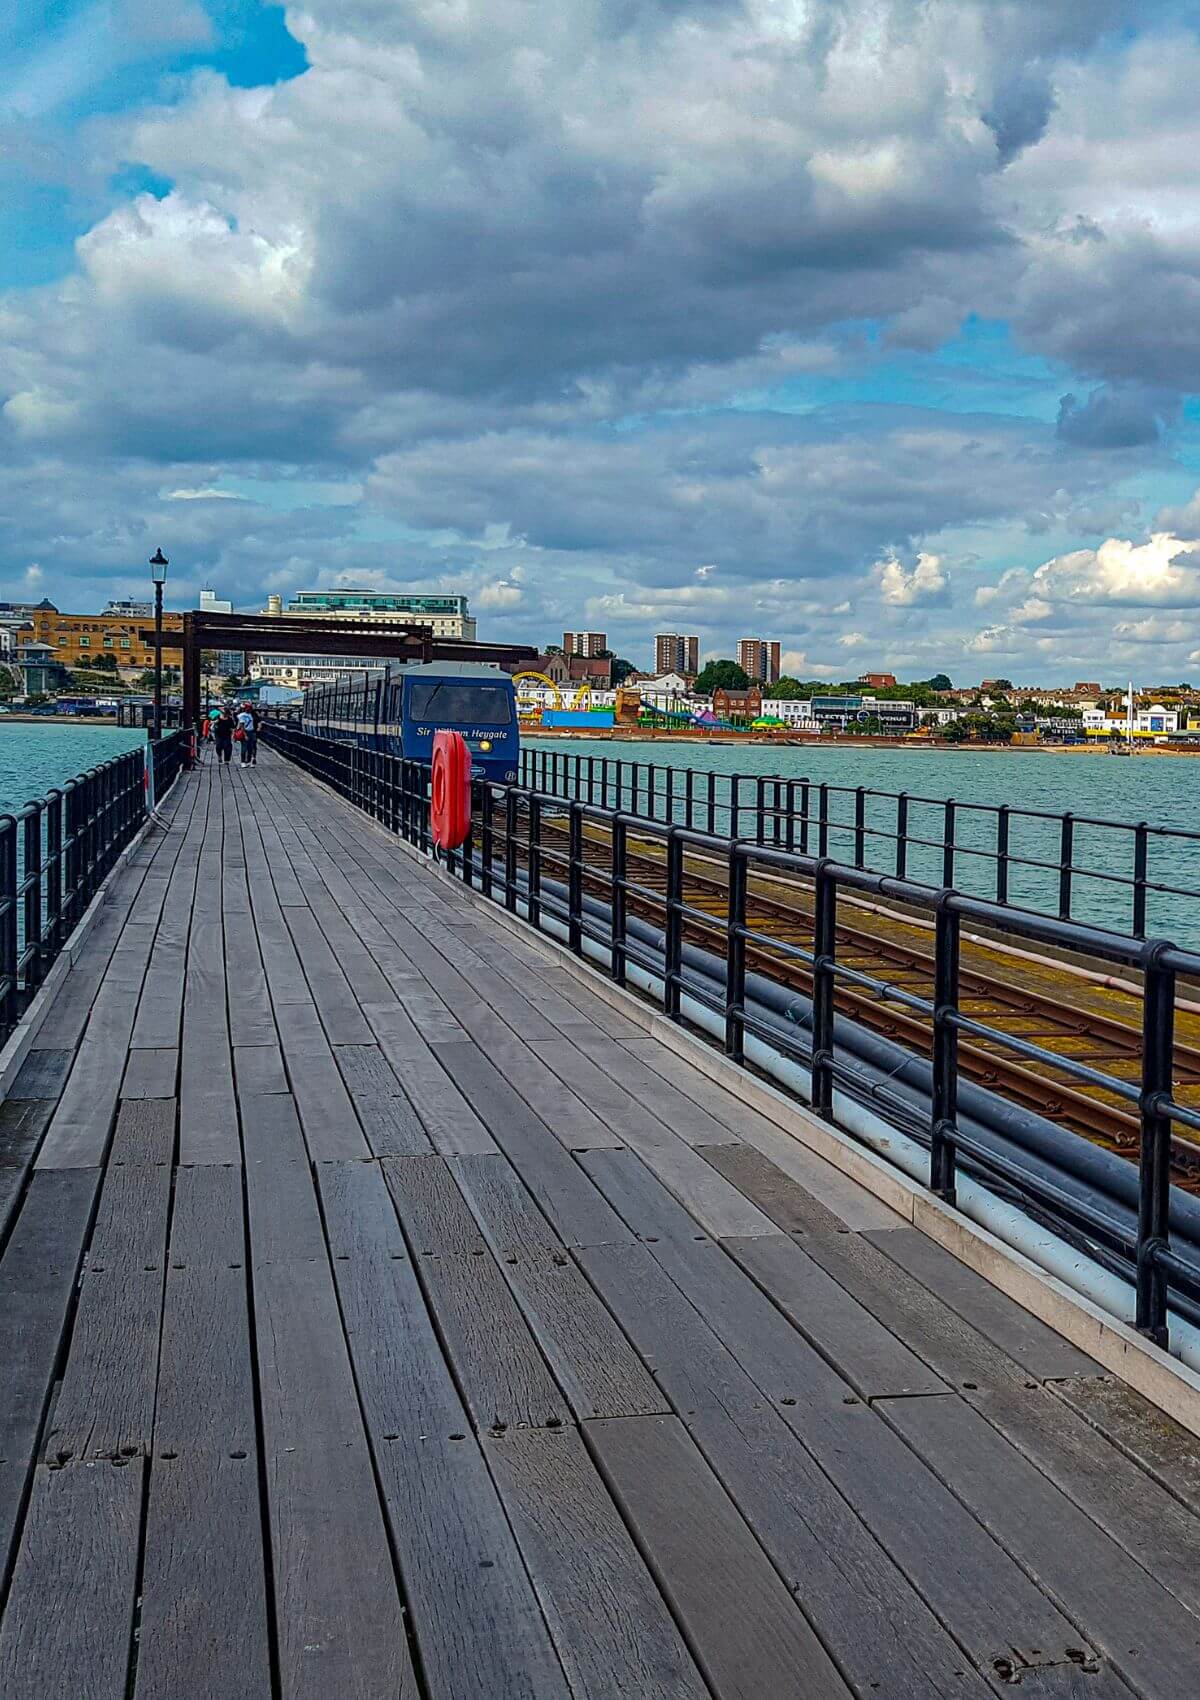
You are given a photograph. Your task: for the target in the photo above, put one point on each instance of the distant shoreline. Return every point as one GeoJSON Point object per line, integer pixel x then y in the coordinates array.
{"type": "Point", "coordinates": [19, 719]}
{"type": "Point", "coordinates": [743, 739]}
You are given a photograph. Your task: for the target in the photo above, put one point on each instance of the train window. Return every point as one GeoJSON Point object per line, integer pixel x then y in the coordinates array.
{"type": "Point", "coordinates": [460, 701]}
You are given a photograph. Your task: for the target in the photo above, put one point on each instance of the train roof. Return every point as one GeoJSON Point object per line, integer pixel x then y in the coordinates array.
{"type": "Point", "coordinates": [453, 670]}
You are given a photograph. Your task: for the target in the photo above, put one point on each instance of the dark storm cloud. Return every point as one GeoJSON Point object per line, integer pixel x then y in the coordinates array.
{"type": "Point", "coordinates": [1116, 417]}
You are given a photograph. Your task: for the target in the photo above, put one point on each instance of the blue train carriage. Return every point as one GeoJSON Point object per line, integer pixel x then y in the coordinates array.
{"type": "Point", "coordinates": [458, 696]}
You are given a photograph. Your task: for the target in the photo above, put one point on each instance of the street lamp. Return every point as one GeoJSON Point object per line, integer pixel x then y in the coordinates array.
{"type": "Point", "coordinates": [158, 572]}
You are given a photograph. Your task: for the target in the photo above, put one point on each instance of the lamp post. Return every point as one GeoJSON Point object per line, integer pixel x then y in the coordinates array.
{"type": "Point", "coordinates": [158, 572]}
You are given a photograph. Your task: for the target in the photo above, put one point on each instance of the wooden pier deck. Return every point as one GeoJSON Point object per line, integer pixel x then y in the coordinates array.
{"type": "Point", "coordinates": [382, 1314]}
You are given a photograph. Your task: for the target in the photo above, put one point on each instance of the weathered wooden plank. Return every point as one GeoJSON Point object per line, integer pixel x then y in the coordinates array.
{"type": "Point", "coordinates": [1037, 1348]}
{"type": "Point", "coordinates": [37, 1279]}
{"type": "Point", "coordinates": [504, 1378]}
{"type": "Point", "coordinates": [340, 1626]}
{"type": "Point", "coordinates": [392, 1126]}
{"type": "Point", "coordinates": [360, 1216]}
{"type": "Point", "coordinates": [341, 1017]}
{"type": "Point", "coordinates": [570, 1200]}
{"type": "Point", "coordinates": [203, 1593]}
{"type": "Point", "coordinates": [479, 1630]}
{"type": "Point", "coordinates": [621, 1113]}
{"type": "Point", "coordinates": [610, 1625]}
{"type": "Point", "coordinates": [105, 1404]}
{"type": "Point", "coordinates": [685, 1113]}
{"type": "Point", "coordinates": [330, 1125]}
{"type": "Point", "coordinates": [285, 1223]}
{"type": "Point", "coordinates": [957, 1351]}
{"type": "Point", "coordinates": [1169, 1453]}
{"type": "Point", "coordinates": [435, 1215]}
{"type": "Point", "coordinates": [43, 1074]}
{"type": "Point", "coordinates": [271, 1131]}
{"type": "Point", "coordinates": [145, 1132]}
{"type": "Point", "coordinates": [68, 1629]}
{"type": "Point", "coordinates": [205, 1344]}
{"type": "Point", "coordinates": [366, 1070]}
{"type": "Point", "coordinates": [744, 1357]}
{"type": "Point", "coordinates": [753, 1640]}
{"type": "Point", "coordinates": [430, 1081]}
{"type": "Point", "coordinates": [647, 1207]}
{"type": "Point", "coordinates": [789, 1205]}
{"type": "Point", "coordinates": [80, 1127]}
{"type": "Point", "coordinates": [872, 1359]}
{"type": "Point", "coordinates": [551, 1099]}
{"type": "Point", "coordinates": [151, 1074]}
{"type": "Point", "coordinates": [208, 1126]}
{"type": "Point", "coordinates": [1101, 1587]}
{"type": "Point", "coordinates": [258, 1068]}
{"type": "Point", "coordinates": [504, 1207]}
{"type": "Point", "coordinates": [22, 1125]}
{"type": "Point", "coordinates": [1142, 1517]}
{"type": "Point", "coordinates": [207, 1222]}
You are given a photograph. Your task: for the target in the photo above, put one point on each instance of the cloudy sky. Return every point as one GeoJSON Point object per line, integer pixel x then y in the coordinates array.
{"type": "Point", "coordinates": [871, 325]}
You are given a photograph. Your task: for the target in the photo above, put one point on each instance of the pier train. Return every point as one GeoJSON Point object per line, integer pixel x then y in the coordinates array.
{"type": "Point", "coordinates": [399, 708]}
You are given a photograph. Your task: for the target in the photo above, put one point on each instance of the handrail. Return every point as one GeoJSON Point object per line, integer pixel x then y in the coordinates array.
{"type": "Point", "coordinates": [56, 850]}
{"type": "Point", "coordinates": [799, 813]}
{"type": "Point", "coordinates": [509, 828]}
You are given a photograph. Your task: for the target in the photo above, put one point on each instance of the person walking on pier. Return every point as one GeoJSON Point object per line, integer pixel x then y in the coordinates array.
{"type": "Point", "coordinates": [248, 733]}
{"type": "Point", "coordinates": [223, 734]}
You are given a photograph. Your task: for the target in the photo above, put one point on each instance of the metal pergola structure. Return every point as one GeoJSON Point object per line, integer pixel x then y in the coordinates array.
{"type": "Point", "coordinates": [283, 634]}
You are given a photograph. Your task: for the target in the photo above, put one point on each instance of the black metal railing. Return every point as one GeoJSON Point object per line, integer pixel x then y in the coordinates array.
{"type": "Point", "coordinates": [54, 854]}
{"type": "Point", "coordinates": [536, 853]}
{"type": "Point", "coordinates": [1130, 876]}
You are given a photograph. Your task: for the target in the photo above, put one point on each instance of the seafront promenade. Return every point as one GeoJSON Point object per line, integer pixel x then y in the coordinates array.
{"type": "Point", "coordinates": [384, 1313]}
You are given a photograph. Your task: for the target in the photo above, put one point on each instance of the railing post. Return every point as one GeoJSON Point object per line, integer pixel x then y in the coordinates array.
{"type": "Point", "coordinates": [534, 853]}
{"type": "Point", "coordinates": [575, 879]}
{"type": "Point", "coordinates": [824, 962]}
{"type": "Point", "coordinates": [9, 1005]}
{"type": "Point", "coordinates": [1066, 859]}
{"type": "Point", "coordinates": [804, 790]}
{"type": "Point", "coordinates": [619, 903]}
{"type": "Point", "coordinates": [711, 806]}
{"type": "Point", "coordinates": [1141, 856]}
{"type": "Point", "coordinates": [943, 1132]}
{"type": "Point", "coordinates": [735, 804]}
{"type": "Point", "coordinates": [486, 848]}
{"type": "Point", "coordinates": [510, 850]}
{"type": "Point", "coordinates": [948, 812]}
{"type": "Point", "coordinates": [54, 869]}
{"type": "Point", "coordinates": [735, 953]}
{"type": "Point", "coordinates": [791, 815]}
{"type": "Point", "coordinates": [860, 826]}
{"type": "Point", "coordinates": [902, 836]}
{"type": "Point", "coordinates": [823, 819]}
{"type": "Point", "coordinates": [1154, 1168]}
{"type": "Point", "coordinates": [34, 943]}
{"type": "Point", "coordinates": [673, 948]}
{"type": "Point", "coordinates": [760, 809]}
{"type": "Point", "coordinates": [689, 796]}
{"type": "Point", "coordinates": [1002, 826]}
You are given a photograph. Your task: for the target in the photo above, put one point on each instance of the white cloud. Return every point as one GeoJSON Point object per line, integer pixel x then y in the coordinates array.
{"type": "Point", "coordinates": [901, 586]}
{"type": "Point", "coordinates": [502, 594]}
{"type": "Point", "coordinates": [205, 495]}
{"type": "Point", "coordinates": [1165, 570]}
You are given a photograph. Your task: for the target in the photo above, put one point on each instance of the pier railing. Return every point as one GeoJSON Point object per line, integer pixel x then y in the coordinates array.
{"type": "Point", "coordinates": [542, 855]}
{"type": "Point", "coordinates": [54, 854]}
{"type": "Point", "coordinates": [1119, 874]}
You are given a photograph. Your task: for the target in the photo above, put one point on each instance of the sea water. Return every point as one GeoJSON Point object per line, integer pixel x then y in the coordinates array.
{"type": "Point", "coordinates": [34, 757]}
{"type": "Point", "coordinates": [1162, 790]}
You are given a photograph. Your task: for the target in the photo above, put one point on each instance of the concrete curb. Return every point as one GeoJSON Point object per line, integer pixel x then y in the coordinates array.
{"type": "Point", "coordinates": [1163, 1380]}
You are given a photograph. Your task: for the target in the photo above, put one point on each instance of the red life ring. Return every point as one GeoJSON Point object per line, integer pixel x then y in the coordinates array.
{"type": "Point", "coordinates": [450, 809]}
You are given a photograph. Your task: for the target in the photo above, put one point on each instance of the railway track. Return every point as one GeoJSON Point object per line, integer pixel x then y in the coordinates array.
{"type": "Point", "coordinates": [897, 951]}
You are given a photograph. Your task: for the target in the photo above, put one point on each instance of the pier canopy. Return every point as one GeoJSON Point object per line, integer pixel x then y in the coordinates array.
{"type": "Point", "coordinates": [281, 634]}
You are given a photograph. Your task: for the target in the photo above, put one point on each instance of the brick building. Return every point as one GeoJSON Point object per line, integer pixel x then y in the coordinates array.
{"type": "Point", "coordinates": [77, 639]}
{"type": "Point", "coordinates": [676, 652]}
{"type": "Point", "coordinates": [759, 659]}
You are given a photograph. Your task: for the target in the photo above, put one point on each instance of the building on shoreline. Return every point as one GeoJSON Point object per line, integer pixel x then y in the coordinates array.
{"type": "Point", "coordinates": [78, 639]}
{"type": "Point", "coordinates": [447, 616]}
{"type": "Point", "coordinates": [759, 659]}
{"type": "Point", "coordinates": [588, 644]}
{"type": "Point", "coordinates": [676, 652]}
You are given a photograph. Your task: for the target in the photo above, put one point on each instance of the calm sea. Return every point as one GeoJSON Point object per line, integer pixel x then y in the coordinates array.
{"type": "Point", "coordinates": [1162, 790]}
{"type": "Point", "coordinates": [32, 757]}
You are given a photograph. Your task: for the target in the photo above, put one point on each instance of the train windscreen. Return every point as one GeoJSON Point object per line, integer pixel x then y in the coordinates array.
{"type": "Point", "coordinates": [459, 702]}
